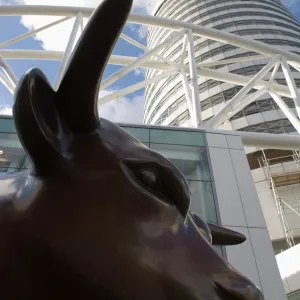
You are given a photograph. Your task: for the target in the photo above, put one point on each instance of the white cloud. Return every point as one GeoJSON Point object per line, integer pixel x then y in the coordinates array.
{"type": "Point", "coordinates": [146, 5]}
{"type": "Point", "coordinates": [139, 71]}
{"type": "Point", "coordinates": [56, 38]}
{"type": "Point", "coordinates": [7, 111]}
{"type": "Point", "coordinates": [124, 110]}
{"type": "Point", "coordinates": [143, 31]}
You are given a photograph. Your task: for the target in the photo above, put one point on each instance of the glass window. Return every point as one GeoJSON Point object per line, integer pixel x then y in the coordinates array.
{"type": "Point", "coordinates": [191, 161]}
{"type": "Point", "coordinates": [7, 125]}
{"type": "Point", "coordinates": [9, 140]}
{"type": "Point", "coordinates": [202, 200]}
{"type": "Point", "coordinates": [141, 134]}
{"type": "Point", "coordinates": [4, 165]}
{"type": "Point", "coordinates": [11, 160]}
{"type": "Point", "coordinates": [177, 137]}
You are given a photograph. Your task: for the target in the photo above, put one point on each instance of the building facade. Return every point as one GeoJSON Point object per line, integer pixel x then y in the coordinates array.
{"type": "Point", "coordinates": [276, 173]}
{"type": "Point", "coordinates": [222, 190]}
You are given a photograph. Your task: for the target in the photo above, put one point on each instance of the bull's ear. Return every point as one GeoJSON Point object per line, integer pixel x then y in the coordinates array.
{"type": "Point", "coordinates": [220, 235]}
{"type": "Point", "coordinates": [37, 122]}
{"type": "Point", "coordinates": [79, 88]}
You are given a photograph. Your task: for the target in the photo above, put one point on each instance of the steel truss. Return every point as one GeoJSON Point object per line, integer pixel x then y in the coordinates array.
{"type": "Point", "coordinates": [152, 59]}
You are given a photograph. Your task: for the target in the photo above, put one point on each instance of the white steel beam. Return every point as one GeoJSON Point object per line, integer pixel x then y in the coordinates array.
{"type": "Point", "coordinates": [81, 24]}
{"type": "Point", "coordinates": [274, 72]}
{"type": "Point", "coordinates": [244, 103]}
{"type": "Point", "coordinates": [146, 49]}
{"type": "Point", "coordinates": [7, 83]}
{"type": "Point", "coordinates": [286, 110]}
{"type": "Point", "coordinates": [243, 80]}
{"type": "Point", "coordinates": [188, 96]}
{"type": "Point", "coordinates": [8, 71]}
{"type": "Point", "coordinates": [135, 87]}
{"type": "Point", "coordinates": [294, 66]}
{"type": "Point", "coordinates": [217, 35]}
{"type": "Point", "coordinates": [32, 32]}
{"type": "Point", "coordinates": [184, 45]}
{"type": "Point", "coordinates": [150, 64]}
{"type": "Point", "coordinates": [68, 51]}
{"type": "Point", "coordinates": [265, 140]}
{"type": "Point", "coordinates": [231, 61]}
{"type": "Point", "coordinates": [291, 84]}
{"type": "Point", "coordinates": [194, 80]}
{"type": "Point", "coordinates": [185, 82]}
{"type": "Point", "coordinates": [205, 32]}
{"type": "Point", "coordinates": [138, 62]}
{"type": "Point", "coordinates": [239, 97]}
{"type": "Point", "coordinates": [133, 42]}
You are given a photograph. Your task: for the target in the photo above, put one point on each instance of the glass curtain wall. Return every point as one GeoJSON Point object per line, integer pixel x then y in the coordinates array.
{"type": "Point", "coordinates": [186, 149]}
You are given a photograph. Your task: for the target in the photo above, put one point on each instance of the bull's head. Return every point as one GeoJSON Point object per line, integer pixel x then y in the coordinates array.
{"type": "Point", "coordinates": [100, 216]}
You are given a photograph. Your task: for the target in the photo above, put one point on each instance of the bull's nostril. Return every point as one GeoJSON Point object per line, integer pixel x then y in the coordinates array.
{"type": "Point", "coordinates": [242, 292]}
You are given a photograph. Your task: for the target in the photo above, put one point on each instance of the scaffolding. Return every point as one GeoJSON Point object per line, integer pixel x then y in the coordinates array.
{"type": "Point", "coordinates": [279, 177]}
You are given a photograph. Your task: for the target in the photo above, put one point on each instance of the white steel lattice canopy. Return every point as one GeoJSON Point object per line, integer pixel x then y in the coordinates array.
{"type": "Point", "coordinates": [152, 59]}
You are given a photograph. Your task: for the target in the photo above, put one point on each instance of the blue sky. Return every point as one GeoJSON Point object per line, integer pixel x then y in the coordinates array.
{"type": "Point", "coordinates": [128, 109]}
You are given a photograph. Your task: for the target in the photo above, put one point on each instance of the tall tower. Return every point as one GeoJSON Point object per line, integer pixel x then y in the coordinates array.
{"type": "Point", "coordinates": [267, 21]}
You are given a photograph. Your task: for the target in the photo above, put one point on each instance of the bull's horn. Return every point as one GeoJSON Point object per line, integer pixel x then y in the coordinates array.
{"type": "Point", "coordinates": [78, 91]}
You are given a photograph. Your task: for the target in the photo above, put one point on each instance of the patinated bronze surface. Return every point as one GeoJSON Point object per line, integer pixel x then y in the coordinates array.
{"type": "Point", "coordinates": [100, 216]}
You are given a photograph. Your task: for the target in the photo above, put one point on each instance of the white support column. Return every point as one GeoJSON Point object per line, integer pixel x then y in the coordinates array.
{"type": "Point", "coordinates": [135, 87]}
{"type": "Point", "coordinates": [291, 83]}
{"type": "Point", "coordinates": [217, 119]}
{"type": "Point", "coordinates": [81, 25]}
{"type": "Point", "coordinates": [184, 45]}
{"type": "Point", "coordinates": [68, 51]}
{"type": "Point", "coordinates": [286, 110]}
{"type": "Point", "coordinates": [244, 103]}
{"type": "Point", "coordinates": [295, 66]}
{"type": "Point", "coordinates": [118, 75]}
{"type": "Point", "coordinates": [146, 49]}
{"type": "Point", "coordinates": [194, 79]}
{"type": "Point", "coordinates": [185, 84]}
{"type": "Point", "coordinates": [8, 71]}
{"type": "Point", "coordinates": [274, 72]}
{"type": "Point", "coordinates": [188, 96]}
{"type": "Point", "coordinates": [33, 32]}
{"type": "Point", "coordinates": [7, 83]}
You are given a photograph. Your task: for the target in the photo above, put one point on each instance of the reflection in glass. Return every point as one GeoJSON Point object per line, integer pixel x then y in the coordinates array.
{"type": "Point", "coordinates": [7, 125]}
{"type": "Point", "coordinates": [202, 200]}
{"type": "Point", "coordinates": [11, 153]}
{"type": "Point", "coordinates": [177, 137]}
{"type": "Point", "coordinates": [141, 134]}
{"type": "Point", "coordinates": [191, 161]}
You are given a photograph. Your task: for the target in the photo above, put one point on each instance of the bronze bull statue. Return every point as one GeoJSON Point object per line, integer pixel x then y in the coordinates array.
{"type": "Point", "coordinates": [100, 216]}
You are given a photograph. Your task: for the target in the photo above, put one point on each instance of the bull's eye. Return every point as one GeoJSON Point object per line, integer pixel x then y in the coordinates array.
{"type": "Point", "coordinates": [161, 181]}
{"type": "Point", "coordinates": [148, 177]}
